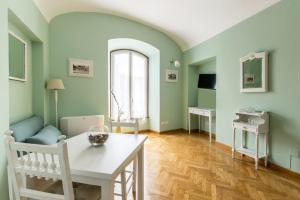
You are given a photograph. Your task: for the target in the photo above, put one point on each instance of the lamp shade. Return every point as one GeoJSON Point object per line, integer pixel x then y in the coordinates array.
{"type": "Point", "coordinates": [55, 84]}
{"type": "Point", "coordinates": [177, 64]}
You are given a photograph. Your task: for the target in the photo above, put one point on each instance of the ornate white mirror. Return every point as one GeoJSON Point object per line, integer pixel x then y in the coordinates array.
{"type": "Point", "coordinates": [254, 72]}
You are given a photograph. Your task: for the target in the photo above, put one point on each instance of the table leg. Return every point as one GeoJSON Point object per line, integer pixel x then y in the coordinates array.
{"type": "Point", "coordinates": [199, 121]}
{"type": "Point", "coordinates": [140, 186]}
{"type": "Point", "coordinates": [233, 143]}
{"type": "Point", "coordinates": [243, 140]}
{"type": "Point", "coordinates": [134, 175]}
{"type": "Point", "coordinates": [107, 190]}
{"type": "Point", "coordinates": [257, 151]}
{"type": "Point", "coordinates": [267, 148]}
{"type": "Point", "coordinates": [189, 122]}
{"type": "Point", "coordinates": [209, 128]}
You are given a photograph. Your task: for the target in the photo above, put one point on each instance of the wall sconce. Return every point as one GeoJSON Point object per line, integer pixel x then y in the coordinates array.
{"type": "Point", "coordinates": [175, 63]}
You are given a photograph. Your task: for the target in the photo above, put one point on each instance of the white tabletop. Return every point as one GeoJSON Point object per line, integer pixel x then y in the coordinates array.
{"type": "Point", "coordinates": [104, 161]}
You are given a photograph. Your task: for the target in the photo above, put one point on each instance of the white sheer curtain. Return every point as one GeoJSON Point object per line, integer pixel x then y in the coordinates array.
{"type": "Point", "coordinates": [129, 84]}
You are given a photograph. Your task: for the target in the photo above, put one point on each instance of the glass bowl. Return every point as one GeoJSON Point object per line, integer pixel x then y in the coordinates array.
{"type": "Point", "coordinates": [97, 136]}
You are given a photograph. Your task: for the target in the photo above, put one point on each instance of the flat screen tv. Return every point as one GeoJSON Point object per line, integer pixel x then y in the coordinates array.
{"type": "Point", "coordinates": [207, 81]}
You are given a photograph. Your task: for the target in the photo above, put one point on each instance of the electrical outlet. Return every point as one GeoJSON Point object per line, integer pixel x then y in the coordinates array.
{"type": "Point", "coordinates": [164, 122]}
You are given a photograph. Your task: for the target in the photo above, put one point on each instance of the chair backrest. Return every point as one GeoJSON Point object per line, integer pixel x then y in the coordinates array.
{"type": "Point", "coordinates": [130, 124]}
{"type": "Point", "coordinates": [41, 161]}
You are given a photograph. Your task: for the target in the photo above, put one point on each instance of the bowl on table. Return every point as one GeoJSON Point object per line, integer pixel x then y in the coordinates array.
{"type": "Point", "coordinates": [97, 136]}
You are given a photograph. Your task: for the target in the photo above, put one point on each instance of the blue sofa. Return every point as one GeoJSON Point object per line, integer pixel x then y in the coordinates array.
{"type": "Point", "coordinates": [32, 130]}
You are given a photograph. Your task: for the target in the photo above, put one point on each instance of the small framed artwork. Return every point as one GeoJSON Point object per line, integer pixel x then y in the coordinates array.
{"type": "Point", "coordinates": [82, 68]}
{"type": "Point", "coordinates": [254, 72]}
{"type": "Point", "coordinates": [171, 75]}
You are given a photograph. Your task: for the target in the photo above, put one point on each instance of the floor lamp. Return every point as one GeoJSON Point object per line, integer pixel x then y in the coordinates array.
{"type": "Point", "coordinates": [55, 84]}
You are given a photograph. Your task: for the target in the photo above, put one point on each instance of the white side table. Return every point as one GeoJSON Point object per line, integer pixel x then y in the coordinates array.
{"type": "Point", "coordinates": [210, 113]}
{"type": "Point", "coordinates": [256, 123]}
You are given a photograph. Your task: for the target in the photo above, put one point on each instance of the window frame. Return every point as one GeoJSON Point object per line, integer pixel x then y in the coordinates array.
{"type": "Point", "coordinates": [130, 51]}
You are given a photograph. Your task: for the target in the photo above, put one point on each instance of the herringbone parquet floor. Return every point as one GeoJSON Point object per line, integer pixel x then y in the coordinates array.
{"type": "Point", "coordinates": [179, 166]}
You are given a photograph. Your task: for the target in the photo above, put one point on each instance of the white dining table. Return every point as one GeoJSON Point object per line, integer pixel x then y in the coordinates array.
{"type": "Point", "coordinates": [101, 165]}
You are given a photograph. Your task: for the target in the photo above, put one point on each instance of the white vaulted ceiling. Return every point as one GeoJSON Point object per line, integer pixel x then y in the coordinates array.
{"type": "Point", "coordinates": [188, 22]}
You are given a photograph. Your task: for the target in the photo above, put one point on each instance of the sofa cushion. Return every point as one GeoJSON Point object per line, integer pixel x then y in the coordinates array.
{"type": "Point", "coordinates": [26, 128]}
{"type": "Point", "coordinates": [48, 135]}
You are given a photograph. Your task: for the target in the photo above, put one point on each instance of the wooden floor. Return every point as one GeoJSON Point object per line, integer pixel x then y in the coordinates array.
{"type": "Point", "coordinates": [179, 166]}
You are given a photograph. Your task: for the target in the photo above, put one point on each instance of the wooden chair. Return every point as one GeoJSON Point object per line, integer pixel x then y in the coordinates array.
{"type": "Point", "coordinates": [129, 172]}
{"type": "Point", "coordinates": [41, 161]}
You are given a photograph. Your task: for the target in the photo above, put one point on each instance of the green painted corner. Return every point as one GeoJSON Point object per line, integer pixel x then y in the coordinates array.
{"type": "Point", "coordinates": [277, 31]}
{"type": "Point", "coordinates": [24, 18]}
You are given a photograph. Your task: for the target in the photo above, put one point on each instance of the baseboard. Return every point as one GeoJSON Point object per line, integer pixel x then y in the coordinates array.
{"type": "Point", "coordinates": [271, 165]}
{"type": "Point", "coordinates": [180, 130]}
{"type": "Point", "coordinates": [196, 131]}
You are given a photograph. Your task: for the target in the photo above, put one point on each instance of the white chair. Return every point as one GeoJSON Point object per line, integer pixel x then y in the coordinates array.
{"type": "Point", "coordinates": [129, 172]}
{"type": "Point", "coordinates": [41, 161]}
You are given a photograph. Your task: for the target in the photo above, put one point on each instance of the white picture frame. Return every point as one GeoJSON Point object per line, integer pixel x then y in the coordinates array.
{"type": "Point", "coordinates": [81, 68]}
{"type": "Point", "coordinates": [25, 58]}
{"type": "Point", "coordinates": [171, 75]}
{"type": "Point", "coordinates": [258, 81]}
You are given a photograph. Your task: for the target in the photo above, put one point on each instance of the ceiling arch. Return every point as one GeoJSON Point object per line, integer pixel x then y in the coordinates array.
{"type": "Point", "coordinates": [188, 22]}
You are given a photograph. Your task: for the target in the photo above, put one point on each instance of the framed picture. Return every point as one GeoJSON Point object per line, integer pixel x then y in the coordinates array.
{"type": "Point", "coordinates": [17, 58]}
{"type": "Point", "coordinates": [254, 72]}
{"type": "Point", "coordinates": [171, 75]}
{"type": "Point", "coordinates": [83, 68]}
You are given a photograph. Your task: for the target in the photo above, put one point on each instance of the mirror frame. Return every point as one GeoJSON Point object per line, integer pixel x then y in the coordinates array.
{"type": "Point", "coordinates": [25, 60]}
{"type": "Point", "coordinates": [264, 65]}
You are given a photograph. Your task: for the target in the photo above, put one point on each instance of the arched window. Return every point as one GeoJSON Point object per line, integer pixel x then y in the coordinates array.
{"type": "Point", "coordinates": [128, 84]}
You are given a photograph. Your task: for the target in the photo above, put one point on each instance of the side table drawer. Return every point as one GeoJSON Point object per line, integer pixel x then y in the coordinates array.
{"type": "Point", "coordinates": [244, 127]}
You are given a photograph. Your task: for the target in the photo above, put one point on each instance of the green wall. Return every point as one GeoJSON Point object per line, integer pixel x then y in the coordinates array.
{"type": "Point", "coordinates": [4, 114]}
{"type": "Point", "coordinates": [277, 31]}
{"type": "Point", "coordinates": [85, 36]}
{"type": "Point", "coordinates": [26, 15]}
{"type": "Point", "coordinates": [20, 93]}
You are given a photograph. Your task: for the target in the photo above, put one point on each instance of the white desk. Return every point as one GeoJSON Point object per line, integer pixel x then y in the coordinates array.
{"type": "Point", "coordinates": [101, 165]}
{"type": "Point", "coordinates": [210, 113]}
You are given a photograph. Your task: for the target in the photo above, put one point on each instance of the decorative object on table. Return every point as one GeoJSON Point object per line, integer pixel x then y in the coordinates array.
{"type": "Point", "coordinates": [55, 84]}
{"type": "Point", "coordinates": [17, 58]}
{"type": "Point", "coordinates": [171, 75]}
{"type": "Point", "coordinates": [254, 122]}
{"type": "Point", "coordinates": [254, 72]}
{"type": "Point", "coordinates": [97, 136]}
{"type": "Point", "coordinates": [120, 112]}
{"type": "Point", "coordinates": [175, 63]}
{"type": "Point", "coordinates": [82, 68]}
